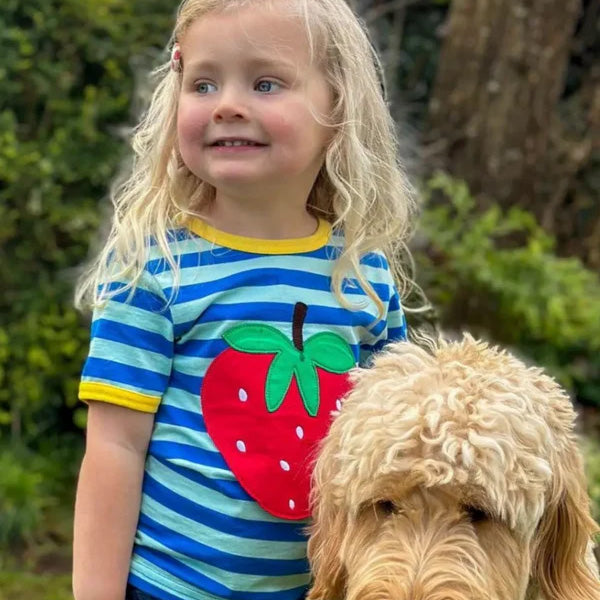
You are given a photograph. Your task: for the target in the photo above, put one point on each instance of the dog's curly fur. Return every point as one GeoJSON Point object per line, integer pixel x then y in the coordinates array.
{"type": "Point", "coordinates": [451, 476]}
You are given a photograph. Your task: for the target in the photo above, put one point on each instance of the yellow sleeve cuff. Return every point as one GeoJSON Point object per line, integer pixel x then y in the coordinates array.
{"type": "Point", "coordinates": [92, 390]}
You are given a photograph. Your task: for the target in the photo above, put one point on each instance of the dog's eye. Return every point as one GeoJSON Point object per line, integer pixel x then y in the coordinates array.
{"type": "Point", "coordinates": [475, 515]}
{"type": "Point", "coordinates": [386, 507]}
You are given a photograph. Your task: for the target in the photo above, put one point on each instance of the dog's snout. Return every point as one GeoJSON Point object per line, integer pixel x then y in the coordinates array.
{"type": "Point", "coordinates": [407, 560]}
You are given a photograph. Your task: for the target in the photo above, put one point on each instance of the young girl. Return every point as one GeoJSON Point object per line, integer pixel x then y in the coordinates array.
{"type": "Point", "coordinates": [250, 266]}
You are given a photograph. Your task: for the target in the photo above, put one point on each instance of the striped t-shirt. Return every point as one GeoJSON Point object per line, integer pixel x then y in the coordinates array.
{"type": "Point", "coordinates": [201, 534]}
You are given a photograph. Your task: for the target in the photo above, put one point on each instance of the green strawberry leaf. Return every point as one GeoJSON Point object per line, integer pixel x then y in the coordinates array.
{"type": "Point", "coordinates": [256, 338]}
{"type": "Point", "coordinates": [308, 384]}
{"type": "Point", "coordinates": [279, 378]}
{"type": "Point", "coordinates": [330, 352]}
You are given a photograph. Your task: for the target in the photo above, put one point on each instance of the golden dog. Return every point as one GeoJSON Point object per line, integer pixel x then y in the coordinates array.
{"type": "Point", "coordinates": [452, 476]}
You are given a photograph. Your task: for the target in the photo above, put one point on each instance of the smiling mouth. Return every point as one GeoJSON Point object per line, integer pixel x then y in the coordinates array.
{"type": "Point", "coordinates": [235, 143]}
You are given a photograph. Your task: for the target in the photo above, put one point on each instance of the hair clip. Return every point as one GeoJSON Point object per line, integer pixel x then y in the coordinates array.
{"type": "Point", "coordinates": [176, 57]}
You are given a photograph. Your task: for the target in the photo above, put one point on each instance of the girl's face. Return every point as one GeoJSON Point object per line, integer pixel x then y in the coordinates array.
{"type": "Point", "coordinates": [249, 91]}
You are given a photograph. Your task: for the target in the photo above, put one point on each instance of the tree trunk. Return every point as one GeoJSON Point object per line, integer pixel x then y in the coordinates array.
{"type": "Point", "coordinates": [493, 107]}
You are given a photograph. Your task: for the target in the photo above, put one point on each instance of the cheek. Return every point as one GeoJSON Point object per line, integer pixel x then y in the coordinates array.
{"type": "Point", "coordinates": [191, 123]}
{"type": "Point", "coordinates": [299, 137]}
{"type": "Point", "coordinates": [293, 122]}
{"type": "Point", "coordinates": [281, 127]}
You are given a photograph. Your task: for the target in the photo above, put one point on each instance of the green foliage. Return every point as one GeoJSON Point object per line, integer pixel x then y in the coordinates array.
{"type": "Point", "coordinates": [21, 502]}
{"type": "Point", "coordinates": [592, 465]}
{"type": "Point", "coordinates": [411, 68]}
{"type": "Point", "coordinates": [496, 274]}
{"type": "Point", "coordinates": [67, 71]}
{"type": "Point", "coordinates": [36, 500]}
{"type": "Point", "coordinates": [20, 586]}
{"type": "Point", "coordinates": [419, 56]}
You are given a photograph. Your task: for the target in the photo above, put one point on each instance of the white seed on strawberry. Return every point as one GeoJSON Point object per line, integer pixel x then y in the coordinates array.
{"type": "Point", "coordinates": [338, 404]}
{"type": "Point", "coordinates": [284, 465]}
{"type": "Point", "coordinates": [241, 446]}
{"type": "Point", "coordinates": [292, 504]}
{"type": "Point", "coordinates": [242, 395]}
{"type": "Point", "coordinates": [299, 432]}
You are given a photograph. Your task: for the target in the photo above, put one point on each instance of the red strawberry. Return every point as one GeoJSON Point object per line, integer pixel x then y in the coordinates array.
{"type": "Point", "coordinates": [267, 403]}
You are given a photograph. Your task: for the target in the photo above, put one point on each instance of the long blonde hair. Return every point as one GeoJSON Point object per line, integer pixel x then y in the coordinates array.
{"type": "Point", "coordinates": [361, 186]}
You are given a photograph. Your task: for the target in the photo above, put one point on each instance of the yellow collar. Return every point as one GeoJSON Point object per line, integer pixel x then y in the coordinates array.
{"type": "Point", "coordinates": [261, 246]}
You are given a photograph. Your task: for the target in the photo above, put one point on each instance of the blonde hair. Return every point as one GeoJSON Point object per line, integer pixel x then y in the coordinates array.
{"type": "Point", "coordinates": [360, 188]}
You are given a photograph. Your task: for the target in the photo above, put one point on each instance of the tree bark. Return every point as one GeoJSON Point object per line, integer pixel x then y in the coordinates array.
{"type": "Point", "coordinates": [493, 106]}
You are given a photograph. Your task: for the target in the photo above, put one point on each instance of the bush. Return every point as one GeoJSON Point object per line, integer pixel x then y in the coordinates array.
{"type": "Point", "coordinates": [36, 502]}
{"type": "Point", "coordinates": [592, 463]}
{"type": "Point", "coordinates": [495, 274]}
{"type": "Point", "coordinates": [68, 69]}
{"type": "Point", "coordinates": [20, 586]}
{"type": "Point", "coordinates": [21, 502]}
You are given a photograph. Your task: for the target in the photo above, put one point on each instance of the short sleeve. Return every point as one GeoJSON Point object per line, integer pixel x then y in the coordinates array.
{"type": "Point", "coordinates": [392, 328]}
{"type": "Point", "coordinates": [396, 321]}
{"type": "Point", "coordinates": [131, 349]}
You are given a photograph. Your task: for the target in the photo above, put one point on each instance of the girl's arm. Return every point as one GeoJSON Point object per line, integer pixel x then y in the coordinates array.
{"type": "Point", "coordinates": [108, 500]}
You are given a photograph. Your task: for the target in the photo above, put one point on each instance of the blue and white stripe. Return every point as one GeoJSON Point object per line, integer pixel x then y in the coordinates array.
{"type": "Point", "coordinates": [200, 535]}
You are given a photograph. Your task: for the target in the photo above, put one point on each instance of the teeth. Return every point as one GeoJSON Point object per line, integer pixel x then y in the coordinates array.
{"type": "Point", "coordinates": [228, 143]}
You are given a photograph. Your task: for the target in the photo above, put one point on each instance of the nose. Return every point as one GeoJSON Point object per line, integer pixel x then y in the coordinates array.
{"type": "Point", "coordinates": [231, 106]}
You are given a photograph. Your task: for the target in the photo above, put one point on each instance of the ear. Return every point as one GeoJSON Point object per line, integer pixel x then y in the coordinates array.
{"type": "Point", "coordinates": [561, 563]}
{"type": "Point", "coordinates": [326, 539]}
{"type": "Point", "coordinates": [327, 531]}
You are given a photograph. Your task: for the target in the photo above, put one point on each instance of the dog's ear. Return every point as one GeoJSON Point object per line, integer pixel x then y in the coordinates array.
{"type": "Point", "coordinates": [327, 535]}
{"type": "Point", "coordinates": [561, 553]}
{"type": "Point", "coordinates": [329, 527]}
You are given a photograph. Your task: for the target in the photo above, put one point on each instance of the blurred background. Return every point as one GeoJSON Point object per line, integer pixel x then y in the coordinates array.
{"type": "Point", "coordinates": [498, 109]}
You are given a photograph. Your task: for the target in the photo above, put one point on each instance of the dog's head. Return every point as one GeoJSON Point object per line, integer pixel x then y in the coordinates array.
{"type": "Point", "coordinates": [451, 476]}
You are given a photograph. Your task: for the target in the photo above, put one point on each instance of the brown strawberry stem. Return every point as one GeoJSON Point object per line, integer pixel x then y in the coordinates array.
{"type": "Point", "coordinates": [297, 324]}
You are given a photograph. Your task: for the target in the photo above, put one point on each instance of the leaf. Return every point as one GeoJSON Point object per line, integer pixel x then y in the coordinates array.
{"type": "Point", "coordinates": [279, 378]}
{"type": "Point", "coordinates": [257, 338]}
{"type": "Point", "coordinates": [330, 352]}
{"type": "Point", "coordinates": [308, 384]}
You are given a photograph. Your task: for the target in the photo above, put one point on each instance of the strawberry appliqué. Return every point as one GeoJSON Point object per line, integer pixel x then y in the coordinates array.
{"type": "Point", "coordinates": [267, 402]}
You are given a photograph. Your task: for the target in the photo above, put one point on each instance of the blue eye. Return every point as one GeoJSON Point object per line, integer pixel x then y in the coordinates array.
{"type": "Point", "coordinates": [204, 87]}
{"type": "Point", "coordinates": [266, 86]}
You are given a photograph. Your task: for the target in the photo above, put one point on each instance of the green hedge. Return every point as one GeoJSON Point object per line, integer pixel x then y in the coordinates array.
{"type": "Point", "coordinates": [67, 69]}
{"type": "Point", "coordinates": [496, 275]}
{"type": "Point", "coordinates": [591, 446]}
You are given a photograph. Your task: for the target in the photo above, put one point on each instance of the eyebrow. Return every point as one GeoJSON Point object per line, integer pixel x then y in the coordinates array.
{"type": "Point", "coordinates": [257, 62]}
